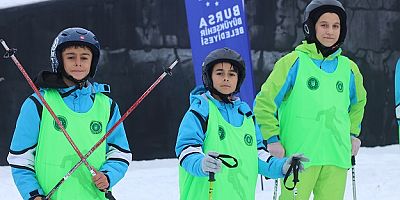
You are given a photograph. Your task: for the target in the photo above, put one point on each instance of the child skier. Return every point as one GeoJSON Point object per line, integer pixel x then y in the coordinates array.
{"type": "Point", "coordinates": [40, 155]}
{"type": "Point", "coordinates": [216, 124]}
{"type": "Point", "coordinates": [313, 102]}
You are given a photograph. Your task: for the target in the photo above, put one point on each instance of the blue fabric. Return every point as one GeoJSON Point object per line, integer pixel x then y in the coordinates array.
{"type": "Point", "coordinates": [190, 133]}
{"type": "Point", "coordinates": [27, 130]}
{"type": "Point", "coordinates": [208, 34]}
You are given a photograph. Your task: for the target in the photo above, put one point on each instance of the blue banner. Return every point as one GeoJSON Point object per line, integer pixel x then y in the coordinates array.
{"type": "Point", "coordinates": [215, 24]}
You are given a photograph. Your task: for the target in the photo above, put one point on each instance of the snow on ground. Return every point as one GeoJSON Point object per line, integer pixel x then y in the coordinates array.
{"type": "Point", "coordinates": [14, 3]}
{"type": "Point", "coordinates": [377, 177]}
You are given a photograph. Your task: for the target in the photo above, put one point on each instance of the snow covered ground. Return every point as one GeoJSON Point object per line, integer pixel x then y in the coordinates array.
{"type": "Point", "coordinates": [377, 177]}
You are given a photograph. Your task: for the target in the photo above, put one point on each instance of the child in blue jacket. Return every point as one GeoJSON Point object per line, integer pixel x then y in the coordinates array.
{"type": "Point", "coordinates": [40, 155]}
{"type": "Point", "coordinates": [219, 124]}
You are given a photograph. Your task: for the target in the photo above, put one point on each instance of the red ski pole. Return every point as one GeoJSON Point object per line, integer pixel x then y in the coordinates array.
{"type": "Point", "coordinates": [124, 116]}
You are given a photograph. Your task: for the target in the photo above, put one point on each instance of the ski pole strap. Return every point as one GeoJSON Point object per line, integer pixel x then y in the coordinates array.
{"type": "Point", "coordinates": [221, 158]}
{"type": "Point", "coordinates": [211, 175]}
{"type": "Point", "coordinates": [294, 167]}
{"type": "Point", "coordinates": [9, 53]}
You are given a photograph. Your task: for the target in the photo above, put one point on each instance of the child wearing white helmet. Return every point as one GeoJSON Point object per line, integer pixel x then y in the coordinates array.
{"type": "Point", "coordinates": [313, 102]}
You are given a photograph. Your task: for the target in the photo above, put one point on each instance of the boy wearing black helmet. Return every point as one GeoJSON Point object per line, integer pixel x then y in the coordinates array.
{"type": "Point", "coordinates": [313, 102]}
{"type": "Point", "coordinates": [217, 123]}
{"type": "Point", "coordinates": [40, 155]}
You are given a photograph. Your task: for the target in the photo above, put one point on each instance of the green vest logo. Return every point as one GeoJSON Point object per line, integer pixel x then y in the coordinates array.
{"type": "Point", "coordinates": [339, 86]}
{"type": "Point", "coordinates": [248, 139]}
{"type": "Point", "coordinates": [96, 127]}
{"type": "Point", "coordinates": [221, 133]}
{"type": "Point", "coordinates": [63, 121]}
{"type": "Point", "coordinates": [312, 83]}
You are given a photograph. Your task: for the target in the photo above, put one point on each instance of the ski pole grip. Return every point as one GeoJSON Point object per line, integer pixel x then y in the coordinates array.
{"type": "Point", "coordinates": [353, 160]}
{"type": "Point", "coordinates": [211, 176]}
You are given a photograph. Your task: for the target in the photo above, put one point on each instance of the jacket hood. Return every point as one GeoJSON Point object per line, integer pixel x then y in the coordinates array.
{"type": "Point", "coordinates": [312, 51]}
{"type": "Point", "coordinates": [199, 103]}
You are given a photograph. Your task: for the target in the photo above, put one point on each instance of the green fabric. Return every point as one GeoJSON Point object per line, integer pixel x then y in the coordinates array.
{"type": "Point", "coordinates": [55, 155]}
{"type": "Point", "coordinates": [314, 119]}
{"type": "Point", "coordinates": [231, 183]}
{"type": "Point", "coordinates": [313, 53]}
{"type": "Point", "coordinates": [326, 183]}
{"type": "Point", "coordinates": [265, 108]}
{"type": "Point", "coordinates": [357, 110]}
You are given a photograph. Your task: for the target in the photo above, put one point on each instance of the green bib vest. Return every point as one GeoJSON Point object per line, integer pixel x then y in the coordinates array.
{"type": "Point", "coordinates": [55, 155]}
{"type": "Point", "coordinates": [231, 183]}
{"type": "Point", "coordinates": [314, 118]}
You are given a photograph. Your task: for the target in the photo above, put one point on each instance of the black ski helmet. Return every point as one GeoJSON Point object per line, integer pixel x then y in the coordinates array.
{"type": "Point", "coordinates": [223, 55]}
{"type": "Point", "coordinates": [70, 37]}
{"type": "Point", "coordinates": [313, 12]}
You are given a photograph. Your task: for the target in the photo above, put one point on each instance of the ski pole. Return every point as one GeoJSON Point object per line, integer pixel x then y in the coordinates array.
{"type": "Point", "coordinates": [353, 176]}
{"type": "Point", "coordinates": [262, 182]}
{"type": "Point", "coordinates": [10, 53]}
{"type": "Point", "coordinates": [124, 116]}
{"type": "Point", "coordinates": [211, 179]}
{"type": "Point", "coordinates": [275, 189]}
{"type": "Point", "coordinates": [211, 175]}
{"type": "Point", "coordinates": [294, 167]}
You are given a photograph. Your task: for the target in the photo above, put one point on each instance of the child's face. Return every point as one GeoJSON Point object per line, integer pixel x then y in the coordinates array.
{"type": "Point", "coordinates": [77, 61]}
{"type": "Point", "coordinates": [224, 78]}
{"type": "Point", "coordinates": [327, 29]}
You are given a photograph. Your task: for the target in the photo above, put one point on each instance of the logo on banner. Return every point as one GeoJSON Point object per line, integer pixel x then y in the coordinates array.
{"type": "Point", "coordinates": [224, 24]}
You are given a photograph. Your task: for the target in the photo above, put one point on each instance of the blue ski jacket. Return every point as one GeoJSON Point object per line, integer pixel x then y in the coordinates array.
{"type": "Point", "coordinates": [191, 136]}
{"type": "Point", "coordinates": [22, 151]}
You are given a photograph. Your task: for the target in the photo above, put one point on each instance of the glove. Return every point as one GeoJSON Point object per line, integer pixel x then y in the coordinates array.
{"type": "Point", "coordinates": [276, 149]}
{"type": "Point", "coordinates": [210, 163]}
{"type": "Point", "coordinates": [288, 162]}
{"type": "Point", "coordinates": [355, 145]}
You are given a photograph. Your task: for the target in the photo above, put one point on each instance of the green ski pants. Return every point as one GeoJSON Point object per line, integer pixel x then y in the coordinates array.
{"type": "Point", "coordinates": [326, 183]}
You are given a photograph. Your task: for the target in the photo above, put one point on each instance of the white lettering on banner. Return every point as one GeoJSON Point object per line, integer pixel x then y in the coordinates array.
{"type": "Point", "coordinates": [219, 16]}
{"type": "Point", "coordinates": [222, 25]}
{"type": "Point", "coordinates": [221, 36]}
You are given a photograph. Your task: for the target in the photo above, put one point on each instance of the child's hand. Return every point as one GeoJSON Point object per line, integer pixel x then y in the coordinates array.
{"type": "Point", "coordinates": [210, 163]}
{"type": "Point", "coordinates": [276, 149]}
{"type": "Point", "coordinates": [100, 180]}
{"type": "Point", "coordinates": [355, 145]}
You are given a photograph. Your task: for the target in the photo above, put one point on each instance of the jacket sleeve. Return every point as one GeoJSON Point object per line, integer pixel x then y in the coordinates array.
{"type": "Point", "coordinates": [118, 154]}
{"type": "Point", "coordinates": [268, 165]}
{"type": "Point", "coordinates": [189, 143]}
{"type": "Point", "coordinates": [356, 110]}
{"type": "Point", "coordinates": [272, 93]}
{"type": "Point", "coordinates": [22, 150]}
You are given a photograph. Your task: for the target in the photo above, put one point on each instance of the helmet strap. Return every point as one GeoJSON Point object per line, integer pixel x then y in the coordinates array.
{"type": "Point", "coordinates": [223, 97]}
{"type": "Point", "coordinates": [79, 83]}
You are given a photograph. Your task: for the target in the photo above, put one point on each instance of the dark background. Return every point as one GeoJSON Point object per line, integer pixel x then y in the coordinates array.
{"type": "Point", "coordinates": [140, 37]}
